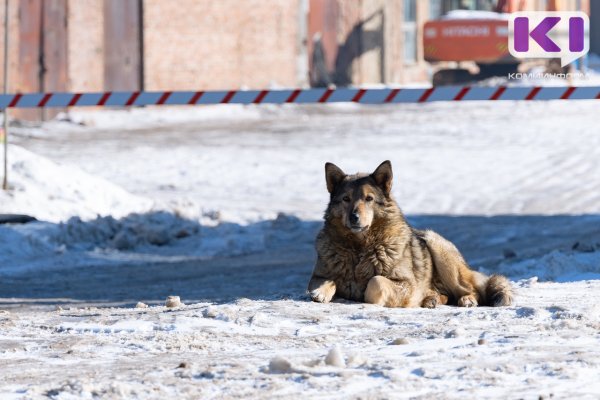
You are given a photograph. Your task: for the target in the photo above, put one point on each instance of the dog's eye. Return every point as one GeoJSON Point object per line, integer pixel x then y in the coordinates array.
{"type": "Point", "coordinates": [346, 199]}
{"type": "Point", "coordinates": [369, 198]}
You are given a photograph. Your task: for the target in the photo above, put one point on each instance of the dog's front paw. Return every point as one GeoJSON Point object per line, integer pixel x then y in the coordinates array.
{"type": "Point", "coordinates": [430, 302]}
{"type": "Point", "coordinates": [322, 294]}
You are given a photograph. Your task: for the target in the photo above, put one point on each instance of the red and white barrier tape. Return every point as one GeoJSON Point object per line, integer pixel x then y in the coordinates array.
{"type": "Point", "coordinates": [282, 96]}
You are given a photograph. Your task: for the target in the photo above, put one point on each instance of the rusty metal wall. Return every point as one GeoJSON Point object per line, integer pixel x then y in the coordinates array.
{"type": "Point", "coordinates": [42, 58]}
{"type": "Point", "coordinates": [30, 42]}
{"type": "Point", "coordinates": [54, 56]}
{"type": "Point", "coordinates": [122, 45]}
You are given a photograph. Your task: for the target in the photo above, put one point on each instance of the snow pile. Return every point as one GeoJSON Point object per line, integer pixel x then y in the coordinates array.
{"type": "Point", "coordinates": [556, 266]}
{"type": "Point", "coordinates": [54, 192]}
{"type": "Point", "coordinates": [156, 228]}
{"type": "Point", "coordinates": [158, 236]}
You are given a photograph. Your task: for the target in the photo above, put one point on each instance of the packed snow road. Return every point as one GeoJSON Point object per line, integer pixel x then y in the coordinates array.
{"type": "Point", "coordinates": [228, 201]}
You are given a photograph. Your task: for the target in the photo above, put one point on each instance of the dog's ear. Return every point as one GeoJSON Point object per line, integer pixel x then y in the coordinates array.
{"type": "Point", "coordinates": [333, 175]}
{"type": "Point", "coordinates": [383, 177]}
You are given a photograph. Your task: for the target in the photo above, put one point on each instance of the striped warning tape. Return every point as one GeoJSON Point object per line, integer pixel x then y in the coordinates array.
{"type": "Point", "coordinates": [281, 96]}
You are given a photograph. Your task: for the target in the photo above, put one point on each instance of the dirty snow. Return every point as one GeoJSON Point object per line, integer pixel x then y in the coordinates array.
{"type": "Point", "coordinates": [220, 205]}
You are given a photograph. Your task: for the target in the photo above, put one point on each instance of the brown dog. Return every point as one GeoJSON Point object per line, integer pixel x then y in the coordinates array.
{"type": "Point", "coordinates": [367, 252]}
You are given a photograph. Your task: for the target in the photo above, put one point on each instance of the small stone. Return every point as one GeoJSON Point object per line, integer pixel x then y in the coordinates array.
{"type": "Point", "coordinates": [141, 305]}
{"type": "Point", "coordinates": [182, 365]}
{"type": "Point", "coordinates": [335, 358]}
{"type": "Point", "coordinates": [280, 365]}
{"type": "Point", "coordinates": [400, 341]}
{"type": "Point", "coordinates": [481, 341]}
{"type": "Point", "coordinates": [210, 312]}
{"type": "Point", "coordinates": [173, 302]}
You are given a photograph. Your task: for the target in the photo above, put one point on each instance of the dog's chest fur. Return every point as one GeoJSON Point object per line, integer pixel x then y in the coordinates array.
{"type": "Point", "coordinates": [352, 263]}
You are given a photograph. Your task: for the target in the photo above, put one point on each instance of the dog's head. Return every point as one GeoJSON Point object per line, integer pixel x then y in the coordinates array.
{"type": "Point", "coordinates": [358, 200]}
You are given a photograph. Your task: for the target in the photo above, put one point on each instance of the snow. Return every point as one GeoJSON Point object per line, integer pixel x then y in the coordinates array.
{"type": "Point", "coordinates": [545, 345]}
{"type": "Point", "coordinates": [53, 191]}
{"type": "Point", "coordinates": [220, 206]}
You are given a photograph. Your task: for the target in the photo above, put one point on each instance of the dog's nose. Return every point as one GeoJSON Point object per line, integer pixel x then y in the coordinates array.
{"type": "Point", "coordinates": [354, 217]}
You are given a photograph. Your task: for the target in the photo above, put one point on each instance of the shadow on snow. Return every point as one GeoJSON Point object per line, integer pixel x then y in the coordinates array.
{"type": "Point", "coordinates": [146, 257]}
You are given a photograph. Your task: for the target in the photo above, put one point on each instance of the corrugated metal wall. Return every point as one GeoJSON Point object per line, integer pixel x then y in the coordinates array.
{"type": "Point", "coordinates": [122, 45]}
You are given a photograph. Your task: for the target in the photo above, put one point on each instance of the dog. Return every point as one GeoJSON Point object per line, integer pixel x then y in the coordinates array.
{"type": "Point", "coordinates": [367, 252]}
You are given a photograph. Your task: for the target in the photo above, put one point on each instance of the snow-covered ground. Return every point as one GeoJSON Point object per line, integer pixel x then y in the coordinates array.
{"type": "Point", "coordinates": [546, 346]}
{"type": "Point", "coordinates": [220, 205]}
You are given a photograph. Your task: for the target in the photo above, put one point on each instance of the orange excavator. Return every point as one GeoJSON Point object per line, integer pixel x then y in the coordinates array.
{"type": "Point", "coordinates": [478, 35]}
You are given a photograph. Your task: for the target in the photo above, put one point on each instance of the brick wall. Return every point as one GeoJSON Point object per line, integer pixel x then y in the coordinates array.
{"type": "Point", "coordinates": [223, 44]}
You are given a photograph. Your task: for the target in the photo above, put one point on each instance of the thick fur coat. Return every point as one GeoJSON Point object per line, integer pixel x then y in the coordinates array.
{"type": "Point", "coordinates": [367, 252]}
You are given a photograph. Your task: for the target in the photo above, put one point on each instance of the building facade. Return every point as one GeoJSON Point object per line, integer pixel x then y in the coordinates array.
{"type": "Point", "coordinates": [101, 45]}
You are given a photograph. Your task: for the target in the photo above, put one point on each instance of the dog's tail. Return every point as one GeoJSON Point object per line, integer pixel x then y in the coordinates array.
{"type": "Point", "coordinates": [498, 291]}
